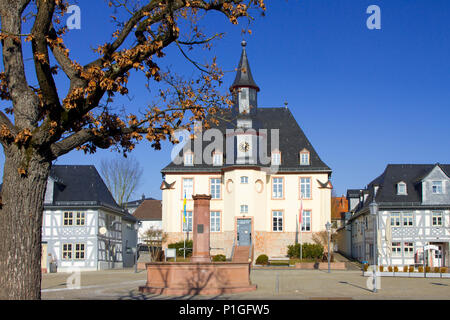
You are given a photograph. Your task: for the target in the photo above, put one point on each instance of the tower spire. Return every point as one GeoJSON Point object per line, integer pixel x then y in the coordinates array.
{"type": "Point", "coordinates": [244, 76]}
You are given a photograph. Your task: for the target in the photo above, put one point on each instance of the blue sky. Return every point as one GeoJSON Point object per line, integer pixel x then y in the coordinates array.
{"type": "Point", "coordinates": [364, 98]}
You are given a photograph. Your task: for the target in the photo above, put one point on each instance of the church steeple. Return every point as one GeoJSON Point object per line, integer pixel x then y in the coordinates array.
{"type": "Point", "coordinates": [244, 87]}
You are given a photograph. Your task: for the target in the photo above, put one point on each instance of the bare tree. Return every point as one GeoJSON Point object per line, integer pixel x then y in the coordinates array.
{"type": "Point", "coordinates": [38, 124]}
{"type": "Point", "coordinates": [154, 239]}
{"type": "Point", "coordinates": [122, 176]}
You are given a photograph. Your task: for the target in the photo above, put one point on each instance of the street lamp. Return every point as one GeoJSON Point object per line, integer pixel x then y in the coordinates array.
{"type": "Point", "coordinates": [328, 227]}
{"type": "Point", "coordinates": [374, 212]}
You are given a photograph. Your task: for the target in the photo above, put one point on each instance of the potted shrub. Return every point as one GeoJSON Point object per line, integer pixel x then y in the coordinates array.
{"type": "Point", "coordinates": [390, 268]}
{"type": "Point", "coordinates": [381, 268]}
{"type": "Point", "coordinates": [411, 268]}
{"type": "Point", "coordinates": [437, 270]}
{"type": "Point", "coordinates": [262, 260]}
{"type": "Point", "coordinates": [427, 269]}
{"type": "Point", "coordinates": [443, 270]}
{"type": "Point", "coordinates": [405, 268]}
{"type": "Point", "coordinates": [395, 269]}
{"type": "Point", "coordinates": [420, 269]}
{"type": "Point", "coordinates": [366, 267]}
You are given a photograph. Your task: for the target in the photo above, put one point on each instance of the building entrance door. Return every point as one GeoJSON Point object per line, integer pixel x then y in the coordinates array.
{"type": "Point", "coordinates": [437, 256]}
{"type": "Point", "coordinates": [244, 232]}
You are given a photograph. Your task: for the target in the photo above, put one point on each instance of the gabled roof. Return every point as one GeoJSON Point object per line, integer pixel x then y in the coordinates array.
{"type": "Point", "coordinates": [411, 174]}
{"type": "Point", "coordinates": [292, 140]}
{"type": "Point", "coordinates": [244, 76]}
{"type": "Point", "coordinates": [149, 210]}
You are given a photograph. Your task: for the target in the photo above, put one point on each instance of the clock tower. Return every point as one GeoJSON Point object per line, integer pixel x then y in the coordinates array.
{"type": "Point", "coordinates": [245, 92]}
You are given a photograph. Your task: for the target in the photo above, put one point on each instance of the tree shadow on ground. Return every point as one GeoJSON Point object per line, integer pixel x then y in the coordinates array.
{"type": "Point", "coordinates": [136, 295]}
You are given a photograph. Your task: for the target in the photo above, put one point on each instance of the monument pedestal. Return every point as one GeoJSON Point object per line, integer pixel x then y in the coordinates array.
{"type": "Point", "coordinates": [200, 275]}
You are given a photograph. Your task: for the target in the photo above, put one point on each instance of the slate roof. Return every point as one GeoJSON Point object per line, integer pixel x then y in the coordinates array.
{"type": "Point", "coordinates": [411, 174]}
{"type": "Point", "coordinates": [82, 185]}
{"type": "Point", "coordinates": [292, 140]}
{"type": "Point", "coordinates": [149, 210]}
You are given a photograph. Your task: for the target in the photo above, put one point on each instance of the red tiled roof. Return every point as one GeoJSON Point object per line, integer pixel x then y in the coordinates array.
{"type": "Point", "coordinates": [149, 210]}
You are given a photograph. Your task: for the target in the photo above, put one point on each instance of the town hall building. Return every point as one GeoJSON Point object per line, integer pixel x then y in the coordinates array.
{"type": "Point", "coordinates": [258, 185]}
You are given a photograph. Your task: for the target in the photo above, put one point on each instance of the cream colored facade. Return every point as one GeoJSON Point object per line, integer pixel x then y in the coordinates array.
{"type": "Point", "coordinates": [257, 195]}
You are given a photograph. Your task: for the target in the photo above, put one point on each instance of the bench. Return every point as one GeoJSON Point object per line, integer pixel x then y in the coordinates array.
{"type": "Point", "coordinates": [279, 259]}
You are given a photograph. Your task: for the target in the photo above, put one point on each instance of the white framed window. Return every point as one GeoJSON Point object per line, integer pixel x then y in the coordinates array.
{"type": "Point", "coordinates": [188, 187]}
{"type": "Point", "coordinates": [436, 219]}
{"type": "Point", "coordinates": [395, 219]}
{"type": "Point", "coordinates": [80, 219]}
{"type": "Point", "coordinates": [79, 251]}
{"type": "Point", "coordinates": [188, 158]}
{"type": "Point", "coordinates": [68, 218]}
{"type": "Point", "coordinates": [215, 184]}
{"type": "Point", "coordinates": [401, 188]}
{"type": "Point", "coordinates": [187, 226]}
{"type": "Point", "coordinates": [277, 221]}
{"type": "Point", "coordinates": [277, 188]}
{"type": "Point", "coordinates": [215, 221]}
{"type": "Point", "coordinates": [67, 251]}
{"type": "Point", "coordinates": [408, 219]}
{"type": "Point", "coordinates": [408, 249]}
{"type": "Point", "coordinates": [244, 208]}
{"type": "Point", "coordinates": [276, 158]}
{"type": "Point", "coordinates": [436, 187]}
{"type": "Point", "coordinates": [306, 220]}
{"type": "Point", "coordinates": [396, 249]}
{"type": "Point", "coordinates": [217, 159]}
{"type": "Point", "coordinates": [305, 188]}
{"type": "Point", "coordinates": [304, 158]}
{"type": "Point", "coordinates": [244, 179]}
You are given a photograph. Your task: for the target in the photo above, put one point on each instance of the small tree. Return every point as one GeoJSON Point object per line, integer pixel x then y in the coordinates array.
{"type": "Point", "coordinates": [154, 238]}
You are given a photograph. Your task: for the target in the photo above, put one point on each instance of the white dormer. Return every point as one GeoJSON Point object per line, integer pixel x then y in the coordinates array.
{"type": "Point", "coordinates": [401, 188]}
{"type": "Point", "coordinates": [217, 158]}
{"type": "Point", "coordinates": [304, 157]}
{"type": "Point", "coordinates": [188, 158]}
{"type": "Point", "coordinates": [435, 186]}
{"type": "Point", "coordinates": [276, 157]}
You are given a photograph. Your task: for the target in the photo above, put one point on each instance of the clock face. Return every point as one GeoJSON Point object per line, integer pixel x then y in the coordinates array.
{"type": "Point", "coordinates": [244, 146]}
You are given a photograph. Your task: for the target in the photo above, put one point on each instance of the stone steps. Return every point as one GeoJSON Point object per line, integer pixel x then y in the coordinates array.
{"type": "Point", "coordinates": [241, 254]}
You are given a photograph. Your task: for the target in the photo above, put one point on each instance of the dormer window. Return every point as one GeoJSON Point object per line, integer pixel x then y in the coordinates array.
{"type": "Point", "coordinates": [436, 187]}
{"type": "Point", "coordinates": [401, 188]}
{"type": "Point", "coordinates": [244, 180]}
{"type": "Point", "coordinates": [276, 158]}
{"type": "Point", "coordinates": [188, 158]}
{"type": "Point", "coordinates": [304, 157]}
{"type": "Point", "coordinates": [217, 158]}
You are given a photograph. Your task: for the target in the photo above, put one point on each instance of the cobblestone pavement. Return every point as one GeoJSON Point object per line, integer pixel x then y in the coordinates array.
{"type": "Point", "coordinates": [279, 283]}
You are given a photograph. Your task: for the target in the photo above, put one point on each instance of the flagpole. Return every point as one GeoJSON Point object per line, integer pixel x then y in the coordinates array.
{"type": "Point", "coordinates": [300, 224]}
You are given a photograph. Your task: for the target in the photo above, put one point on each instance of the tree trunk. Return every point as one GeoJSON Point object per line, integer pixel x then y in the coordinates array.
{"type": "Point", "coordinates": [21, 223]}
